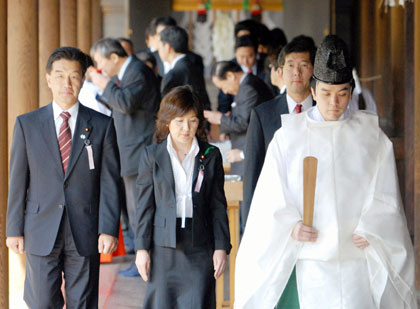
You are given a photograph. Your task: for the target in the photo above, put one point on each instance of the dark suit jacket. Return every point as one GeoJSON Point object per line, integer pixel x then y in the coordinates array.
{"type": "Point", "coordinates": [194, 58]}
{"type": "Point", "coordinates": [265, 121]}
{"type": "Point", "coordinates": [38, 186]}
{"type": "Point", "coordinates": [156, 204]}
{"type": "Point", "coordinates": [134, 104]}
{"type": "Point", "coordinates": [252, 92]}
{"type": "Point", "coordinates": [186, 73]}
{"type": "Point", "coordinates": [224, 101]}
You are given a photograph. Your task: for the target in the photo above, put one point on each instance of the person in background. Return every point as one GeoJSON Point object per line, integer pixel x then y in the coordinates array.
{"type": "Point", "coordinates": [246, 47]}
{"type": "Point", "coordinates": [182, 226]}
{"type": "Point", "coordinates": [249, 91]}
{"type": "Point", "coordinates": [130, 89]}
{"type": "Point", "coordinates": [173, 49]}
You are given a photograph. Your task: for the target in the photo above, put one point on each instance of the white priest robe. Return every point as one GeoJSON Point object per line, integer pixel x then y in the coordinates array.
{"type": "Point", "coordinates": [356, 193]}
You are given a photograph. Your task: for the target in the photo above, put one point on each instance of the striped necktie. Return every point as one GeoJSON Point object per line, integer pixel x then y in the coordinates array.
{"type": "Point", "coordinates": [64, 140]}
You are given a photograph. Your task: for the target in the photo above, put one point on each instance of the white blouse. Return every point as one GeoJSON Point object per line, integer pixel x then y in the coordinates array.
{"type": "Point", "coordinates": [183, 174]}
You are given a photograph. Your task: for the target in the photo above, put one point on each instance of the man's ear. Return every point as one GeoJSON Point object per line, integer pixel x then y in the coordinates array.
{"type": "Point", "coordinates": [279, 72]}
{"type": "Point", "coordinates": [230, 76]}
{"type": "Point", "coordinates": [114, 58]}
{"type": "Point", "coordinates": [313, 93]}
{"type": "Point", "coordinates": [48, 78]}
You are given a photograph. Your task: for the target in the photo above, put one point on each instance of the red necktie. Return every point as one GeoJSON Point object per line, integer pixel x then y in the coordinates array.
{"type": "Point", "coordinates": [298, 108]}
{"type": "Point", "coordinates": [64, 140]}
{"type": "Point", "coordinates": [249, 71]}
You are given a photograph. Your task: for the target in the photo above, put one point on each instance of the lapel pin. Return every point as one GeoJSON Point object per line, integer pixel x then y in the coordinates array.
{"type": "Point", "coordinates": [82, 136]}
{"type": "Point", "coordinates": [86, 129]}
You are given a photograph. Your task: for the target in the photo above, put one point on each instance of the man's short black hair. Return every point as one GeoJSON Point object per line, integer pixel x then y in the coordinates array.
{"type": "Point", "coordinates": [247, 25]}
{"type": "Point", "coordinates": [176, 37]}
{"type": "Point", "coordinates": [300, 44]}
{"type": "Point", "coordinates": [247, 41]}
{"type": "Point", "coordinates": [67, 53]}
{"type": "Point", "coordinates": [277, 40]}
{"type": "Point", "coordinates": [221, 68]}
{"type": "Point", "coordinates": [106, 47]}
{"type": "Point", "coordinates": [166, 21]}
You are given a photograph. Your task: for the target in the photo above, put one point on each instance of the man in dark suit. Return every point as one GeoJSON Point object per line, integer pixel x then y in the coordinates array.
{"type": "Point", "coordinates": [130, 90]}
{"type": "Point", "coordinates": [172, 49]}
{"type": "Point", "coordinates": [295, 67]}
{"type": "Point", "coordinates": [64, 191]}
{"type": "Point", "coordinates": [246, 51]}
{"type": "Point", "coordinates": [156, 26]}
{"type": "Point", "coordinates": [249, 92]}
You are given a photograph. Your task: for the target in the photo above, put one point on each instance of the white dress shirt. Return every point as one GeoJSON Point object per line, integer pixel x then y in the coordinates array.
{"type": "Point", "coordinates": [124, 67]}
{"type": "Point", "coordinates": [183, 174]}
{"type": "Point", "coordinates": [172, 65]}
{"type": "Point", "coordinates": [57, 110]}
{"type": "Point", "coordinates": [306, 104]}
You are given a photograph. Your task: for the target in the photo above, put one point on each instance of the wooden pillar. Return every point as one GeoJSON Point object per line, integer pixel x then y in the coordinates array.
{"type": "Point", "coordinates": [96, 21]}
{"type": "Point", "coordinates": [22, 89]}
{"type": "Point", "coordinates": [49, 39]}
{"type": "Point", "coordinates": [68, 23]}
{"type": "Point", "coordinates": [409, 158]}
{"type": "Point", "coordinates": [4, 256]}
{"type": "Point", "coordinates": [416, 138]}
{"type": "Point", "coordinates": [84, 23]}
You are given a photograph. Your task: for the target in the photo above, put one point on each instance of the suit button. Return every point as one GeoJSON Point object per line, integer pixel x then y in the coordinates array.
{"type": "Point", "coordinates": [66, 185]}
{"type": "Point", "coordinates": [195, 206]}
{"type": "Point", "coordinates": [60, 206]}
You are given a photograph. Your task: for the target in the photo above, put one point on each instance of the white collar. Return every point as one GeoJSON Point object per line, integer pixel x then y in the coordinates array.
{"type": "Point", "coordinates": [243, 77]}
{"type": "Point", "coordinates": [193, 150]}
{"type": "Point", "coordinates": [124, 67]}
{"type": "Point", "coordinates": [172, 65]}
{"type": "Point", "coordinates": [253, 69]}
{"type": "Point", "coordinates": [306, 104]}
{"type": "Point", "coordinates": [316, 115]}
{"type": "Point", "coordinates": [57, 110]}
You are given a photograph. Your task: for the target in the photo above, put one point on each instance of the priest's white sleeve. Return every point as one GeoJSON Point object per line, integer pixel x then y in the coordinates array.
{"type": "Point", "coordinates": [267, 253]}
{"type": "Point", "coordinates": [390, 255]}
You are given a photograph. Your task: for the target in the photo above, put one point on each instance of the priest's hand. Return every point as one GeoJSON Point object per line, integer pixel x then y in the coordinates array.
{"type": "Point", "coordinates": [143, 263]}
{"type": "Point", "coordinates": [303, 232]}
{"type": "Point", "coordinates": [16, 244]}
{"type": "Point", "coordinates": [219, 262]}
{"type": "Point", "coordinates": [360, 242]}
{"type": "Point", "coordinates": [107, 243]}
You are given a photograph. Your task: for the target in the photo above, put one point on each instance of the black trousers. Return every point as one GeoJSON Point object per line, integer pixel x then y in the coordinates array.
{"type": "Point", "coordinates": [44, 275]}
{"type": "Point", "coordinates": [181, 277]}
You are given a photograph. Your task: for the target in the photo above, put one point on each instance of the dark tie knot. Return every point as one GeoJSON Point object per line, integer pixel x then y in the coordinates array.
{"type": "Point", "coordinates": [65, 116]}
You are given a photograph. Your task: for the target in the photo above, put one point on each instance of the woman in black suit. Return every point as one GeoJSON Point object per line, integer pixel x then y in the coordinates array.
{"type": "Point", "coordinates": [182, 234]}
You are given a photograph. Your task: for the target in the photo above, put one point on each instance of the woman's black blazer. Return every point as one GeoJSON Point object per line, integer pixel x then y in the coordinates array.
{"type": "Point", "coordinates": [156, 202]}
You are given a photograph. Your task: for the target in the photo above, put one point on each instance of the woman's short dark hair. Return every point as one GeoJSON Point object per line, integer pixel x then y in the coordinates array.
{"type": "Point", "coordinates": [67, 53]}
{"type": "Point", "coordinates": [176, 103]}
{"type": "Point", "coordinates": [221, 68]}
{"type": "Point", "coordinates": [106, 47]}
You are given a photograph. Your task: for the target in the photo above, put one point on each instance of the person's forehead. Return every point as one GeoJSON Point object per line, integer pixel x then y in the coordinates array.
{"type": "Point", "coordinates": [245, 50]}
{"type": "Point", "coordinates": [66, 65]}
{"type": "Point", "coordinates": [297, 56]}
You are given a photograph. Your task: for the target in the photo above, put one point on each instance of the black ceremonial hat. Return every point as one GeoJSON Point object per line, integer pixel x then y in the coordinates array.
{"type": "Point", "coordinates": [332, 62]}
